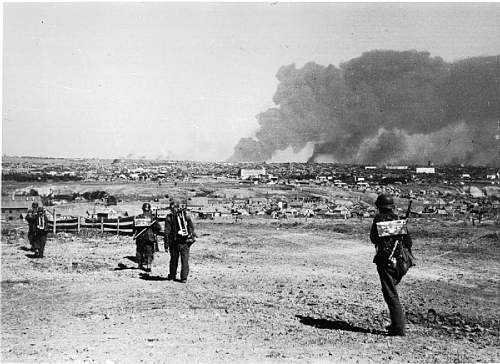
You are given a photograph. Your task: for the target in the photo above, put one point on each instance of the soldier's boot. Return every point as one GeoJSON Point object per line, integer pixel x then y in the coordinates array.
{"type": "Point", "coordinates": [395, 331]}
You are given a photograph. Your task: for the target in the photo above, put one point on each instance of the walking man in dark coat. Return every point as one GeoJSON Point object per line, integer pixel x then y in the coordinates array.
{"type": "Point", "coordinates": [179, 236]}
{"type": "Point", "coordinates": [390, 274]}
{"type": "Point", "coordinates": [145, 230]}
{"type": "Point", "coordinates": [41, 231]}
{"type": "Point", "coordinates": [31, 219]}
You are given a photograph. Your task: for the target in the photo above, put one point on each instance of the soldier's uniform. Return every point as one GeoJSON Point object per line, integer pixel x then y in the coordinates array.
{"type": "Point", "coordinates": [146, 238]}
{"type": "Point", "coordinates": [31, 219]}
{"type": "Point", "coordinates": [389, 275]}
{"type": "Point", "coordinates": [41, 231]}
{"type": "Point", "coordinates": [178, 245]}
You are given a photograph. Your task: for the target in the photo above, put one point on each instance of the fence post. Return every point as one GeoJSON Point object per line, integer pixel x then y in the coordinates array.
{"type": "Point", "coordinates": [118, 226]}
{"type": "Point", "coordinates": [102, 225]}
{"type": "Point", "coordinates": [55, 219]}
{"type": "Point", "coordinates": [78, 224]}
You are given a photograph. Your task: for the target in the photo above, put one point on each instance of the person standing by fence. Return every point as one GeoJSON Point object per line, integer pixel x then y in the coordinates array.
{"type": "Point", "coordinates": [145, 230]}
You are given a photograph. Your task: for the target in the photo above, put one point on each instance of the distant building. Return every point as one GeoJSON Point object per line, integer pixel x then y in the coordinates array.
{"type": "Point", "coordinates": [198, 202]}
{"type": "Point", "coordinates": [370, 167]}
{"type": "Point", "coordinates": [397, 167]}
{"type": "Point", "coordinates": [341, 211]}
{"type": "Point", "coordinates": [251, 173]}
{"type": "Point", "coordinates": [429, 170]}
{"type": "Point", "coordinates": [258, 200]}
{"type": "Point", "coordinates": [13, 208]}
{"type": "Point", "coordinates": [296, 204]}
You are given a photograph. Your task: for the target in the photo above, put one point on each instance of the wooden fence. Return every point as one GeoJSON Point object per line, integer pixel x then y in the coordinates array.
{"type": "Point", "coordinates": [77, 224]}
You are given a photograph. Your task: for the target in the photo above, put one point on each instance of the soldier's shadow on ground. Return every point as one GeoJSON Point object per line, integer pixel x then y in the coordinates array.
{"type": "Point", "coordinates": [335, 325]}
{"type": "Point", "coordinates": [147, 277]}
{"type": "Point", "coordinates": [132, 258]}
{"type": "Point", "coordinates": [122, 266]}
{"type": "Point", "coordinates": [32, 256]}
{"type": "Point", "coordinates": [25, 248]}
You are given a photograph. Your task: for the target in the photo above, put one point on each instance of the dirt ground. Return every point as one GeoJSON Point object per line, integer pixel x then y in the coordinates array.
{"type": "Point", "coordinates": [258, 291]}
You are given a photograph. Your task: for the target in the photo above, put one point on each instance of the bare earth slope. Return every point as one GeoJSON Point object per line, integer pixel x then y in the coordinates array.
{"type": "Point", "coordinates": [258, 292]}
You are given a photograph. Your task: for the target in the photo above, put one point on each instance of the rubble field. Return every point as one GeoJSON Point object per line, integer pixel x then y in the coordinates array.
{"type": "Point", "coordinates": [259, 290]}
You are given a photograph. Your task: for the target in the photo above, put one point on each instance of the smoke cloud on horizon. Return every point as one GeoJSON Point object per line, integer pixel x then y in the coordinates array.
{"type": "Point", "coordinates": [383, 107]}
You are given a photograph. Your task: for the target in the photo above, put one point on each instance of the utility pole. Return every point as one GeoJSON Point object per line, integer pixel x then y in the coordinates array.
{"type": "Point", "coordinates": [497, 137]}
{"type": "Point", "coordinates": [497, 107]}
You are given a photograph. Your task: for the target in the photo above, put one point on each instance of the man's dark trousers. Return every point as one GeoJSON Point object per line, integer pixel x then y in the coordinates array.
{"type": "Point", "coordinates": [39, 244]}
{"type": "Point", "coordinates": [389, 280]}
{"type": "Point", "coordinates": [177, 250]}
{"type": "Point", "coordinates": [31, 239]}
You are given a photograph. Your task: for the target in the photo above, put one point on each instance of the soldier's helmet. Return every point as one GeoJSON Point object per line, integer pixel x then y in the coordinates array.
{"type": "Point", "coordinates": [384, 202]}
{"type": "Point", "coordinates": [146, 206]}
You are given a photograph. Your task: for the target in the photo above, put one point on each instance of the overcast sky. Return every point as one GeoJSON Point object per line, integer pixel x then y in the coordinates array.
{"type": "Point", "coordinates": [185, 80]}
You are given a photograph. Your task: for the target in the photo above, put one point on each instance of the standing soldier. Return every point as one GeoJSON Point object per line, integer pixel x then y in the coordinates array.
{"type": "Point", "coordinates": [145, 229]}
{"type": "Point", "coordinates": [390, 273]}
{"type": "Point", "coordinates": [179, 236]}
{"type": "Point", "coordinates": [31, 219]}
{"type": "Point", "coordinates": [41, 231]}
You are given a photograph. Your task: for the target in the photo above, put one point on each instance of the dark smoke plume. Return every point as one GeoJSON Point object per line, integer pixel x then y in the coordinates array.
{"type": "Point", "coordinates": [384, 107]}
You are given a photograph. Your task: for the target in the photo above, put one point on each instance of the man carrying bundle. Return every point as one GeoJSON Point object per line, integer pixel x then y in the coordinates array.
{"type": "Point", "coordinates": [146, 227]}
{"type": "Point", "coordinates": [393, 257]}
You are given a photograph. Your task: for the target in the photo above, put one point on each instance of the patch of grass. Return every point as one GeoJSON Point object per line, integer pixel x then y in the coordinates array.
{"type": "Point", "coordinates": [10, 282]}
{"type": "Point", "coordinates": [211, 256]}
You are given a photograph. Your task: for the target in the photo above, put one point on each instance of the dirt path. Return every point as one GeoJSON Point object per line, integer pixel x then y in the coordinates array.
{"type": "Point", "coordinates": [255, 294]}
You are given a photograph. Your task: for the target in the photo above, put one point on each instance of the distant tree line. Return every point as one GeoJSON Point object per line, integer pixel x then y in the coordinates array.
{"type": "Point", "coordinates": [89, 196]}
{"type": "Point", "coordinates": [26, 177]}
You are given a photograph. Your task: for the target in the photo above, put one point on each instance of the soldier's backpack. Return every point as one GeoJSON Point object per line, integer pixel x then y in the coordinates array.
{"type": "Point", "coordinates": [400, 257]}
